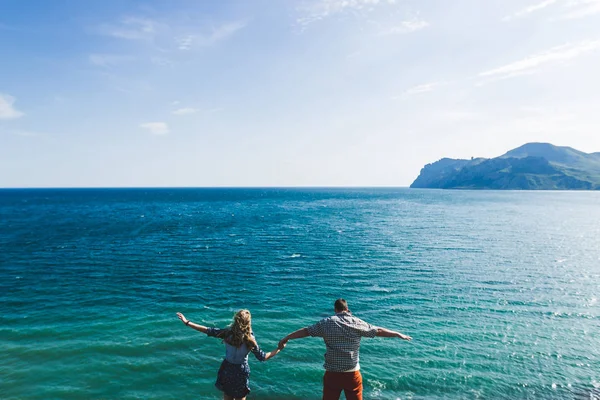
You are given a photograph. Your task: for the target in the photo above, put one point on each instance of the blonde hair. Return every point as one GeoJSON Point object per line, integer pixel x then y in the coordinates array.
{"type": "Point", "coordinates": [240, 331]}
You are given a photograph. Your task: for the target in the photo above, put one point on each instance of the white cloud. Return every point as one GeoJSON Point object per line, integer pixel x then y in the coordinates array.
{"type": "Point", "coordinates": [185, 111]}
{"type": "Point", "coordinates": [427, 87]}
{"type": "Point", "coordinates": [316, 10]}
{"type": "Point", "coordinates": [570, 9]}
{"type": "Point", "coordinates": [531, 64]}
{"type": "Point", "coordinates": [530, 9]}
{"type": "Point", "coordinates": [185, 43]}
{"type": "Point", "coordinates": [169, 32]}
{"type": "Point", "coordinates": [7, 109]}
{"type": "Point", "coordinates": [581, 8]}
{"type": "Point", "coordinates": [191, 110]}
{"type": "Point", "coordinates": [108, 60]}
{"type": "Point", "coordinates": [408, 26]}
{"type": "Point", "coordinates": [222, 32]}
{"type": "Point", "coordinates": [131, 28]}
{"type": "Point", "coordinates": [156, 128]}
{"type": "Point", "coordinates": [419, 89]}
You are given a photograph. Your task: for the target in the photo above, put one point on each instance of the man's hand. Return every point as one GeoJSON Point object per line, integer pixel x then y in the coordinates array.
{"type": "Point", "coordinates": [383, 332]}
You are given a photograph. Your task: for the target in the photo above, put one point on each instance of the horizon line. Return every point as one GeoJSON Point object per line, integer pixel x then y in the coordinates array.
{"type": "Point", "coordinates": [205, 187]}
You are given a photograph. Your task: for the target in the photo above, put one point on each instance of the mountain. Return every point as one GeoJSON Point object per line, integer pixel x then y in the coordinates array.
{"type": "Point", "coordinates": [565, 156]}
{"type": "Point", "coordinates": [533, 166]}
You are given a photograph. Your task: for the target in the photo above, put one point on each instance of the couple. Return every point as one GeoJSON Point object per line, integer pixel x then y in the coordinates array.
{"type": "Point", "coordinates": [341, 332]}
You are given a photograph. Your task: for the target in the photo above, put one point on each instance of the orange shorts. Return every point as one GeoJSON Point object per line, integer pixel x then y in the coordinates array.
{"type": "Point", "coordinates": [349, 382]}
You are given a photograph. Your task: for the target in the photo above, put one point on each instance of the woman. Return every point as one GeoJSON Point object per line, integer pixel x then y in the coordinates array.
{"type": "Point", "coordinates": [239, 340]}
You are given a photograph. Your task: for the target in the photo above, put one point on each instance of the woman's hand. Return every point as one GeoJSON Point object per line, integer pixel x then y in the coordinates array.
{"type": "Point", "coordinates": [182, 318]}
{"type": "Point", "coordinates": [191, 324]}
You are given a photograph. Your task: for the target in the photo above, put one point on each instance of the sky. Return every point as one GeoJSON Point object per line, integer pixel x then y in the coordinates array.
{"type": "Point", "coordinates": [172, 93]}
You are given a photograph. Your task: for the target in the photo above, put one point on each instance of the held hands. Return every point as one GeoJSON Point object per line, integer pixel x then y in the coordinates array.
{"type": "Point", "coordinates": [182, 318]}
{"type": "Point", "coordinates": [282, 343]}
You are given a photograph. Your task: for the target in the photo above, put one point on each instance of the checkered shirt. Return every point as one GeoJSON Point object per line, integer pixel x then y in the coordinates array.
{"type": "Point", "coordinates": [342, 333]}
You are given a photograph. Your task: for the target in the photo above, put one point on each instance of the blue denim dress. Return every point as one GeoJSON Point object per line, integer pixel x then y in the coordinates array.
{"type": "Point", "coordinates": [234, 374]}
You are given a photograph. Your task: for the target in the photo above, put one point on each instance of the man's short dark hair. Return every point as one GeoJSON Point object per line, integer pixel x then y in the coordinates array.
{"type": "Point", "coordinates": [340, 305]}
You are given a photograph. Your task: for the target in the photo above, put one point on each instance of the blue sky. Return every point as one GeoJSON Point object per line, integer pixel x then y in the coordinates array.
{"type": "Point", "coordinates": [286, 93]}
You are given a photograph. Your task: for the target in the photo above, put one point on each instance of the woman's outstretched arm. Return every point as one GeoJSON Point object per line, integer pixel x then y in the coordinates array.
{"type": "Point", "coordinates": [192, 325]}
{"type": "Point", "coordinates": [273, 353]}
{"type": "Point", "coordinates": [262, 356]}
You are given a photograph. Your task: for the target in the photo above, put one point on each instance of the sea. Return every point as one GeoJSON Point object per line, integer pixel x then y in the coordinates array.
{"type": "Point", "coordinates": [499, 290]}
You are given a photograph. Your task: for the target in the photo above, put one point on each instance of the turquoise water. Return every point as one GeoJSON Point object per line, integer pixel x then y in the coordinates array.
{"type": "Point", "coordinates": [498, 289]}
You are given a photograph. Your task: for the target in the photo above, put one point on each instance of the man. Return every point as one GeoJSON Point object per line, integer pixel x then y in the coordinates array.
{"type": "Point", "coordinates": [342, 333]}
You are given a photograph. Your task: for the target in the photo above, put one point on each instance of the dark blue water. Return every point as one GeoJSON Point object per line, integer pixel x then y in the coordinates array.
{"type": "Point", "coordinates": [498, 289]}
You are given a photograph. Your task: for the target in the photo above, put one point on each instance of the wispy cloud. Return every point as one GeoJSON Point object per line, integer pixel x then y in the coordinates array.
{"type": "Point", "coordinates": [569, 9]}
{"type": "Point", "coordinates": [427, 87]}
{"type": "Point", "coordinates": [223, 32]}
{"type": "Point", "coordinates": [131, 28]}
{"type": "Point", "coordinates": [192, 110]}
{"type": "Point", "coordinates": [530, 9]}
{"type": "Point", "coordinates": [217, 34]}
{"type": "Point", "coordinates": [315, 10]}
{"type": "Point", "coordinates": [419, 89]}
{"type": "Point", "coordinates": [185, 111]}
{"type": "Point", "coordinates": [532, 63]}
{"type": "Point", "coordinates": [7, 108]}
{"type": "Point", "coordinates": [185, 43]}
{"type": "Point", "coordinates": [581, 8]}
{"type": "Point", "coordinates": [170, 33]}
{"type": "Point", "coordinates": [408, 26]}
{"type": "Point", "coordinates": [156, 128]}
{"type": "Point", "coordinates": [109, 60]}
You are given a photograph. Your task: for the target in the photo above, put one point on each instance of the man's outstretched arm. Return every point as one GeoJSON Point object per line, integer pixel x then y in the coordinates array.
{"type": "Point", "coordinates": [382, 332]}
{"type": "Point", "coordinates": [300, 333]}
